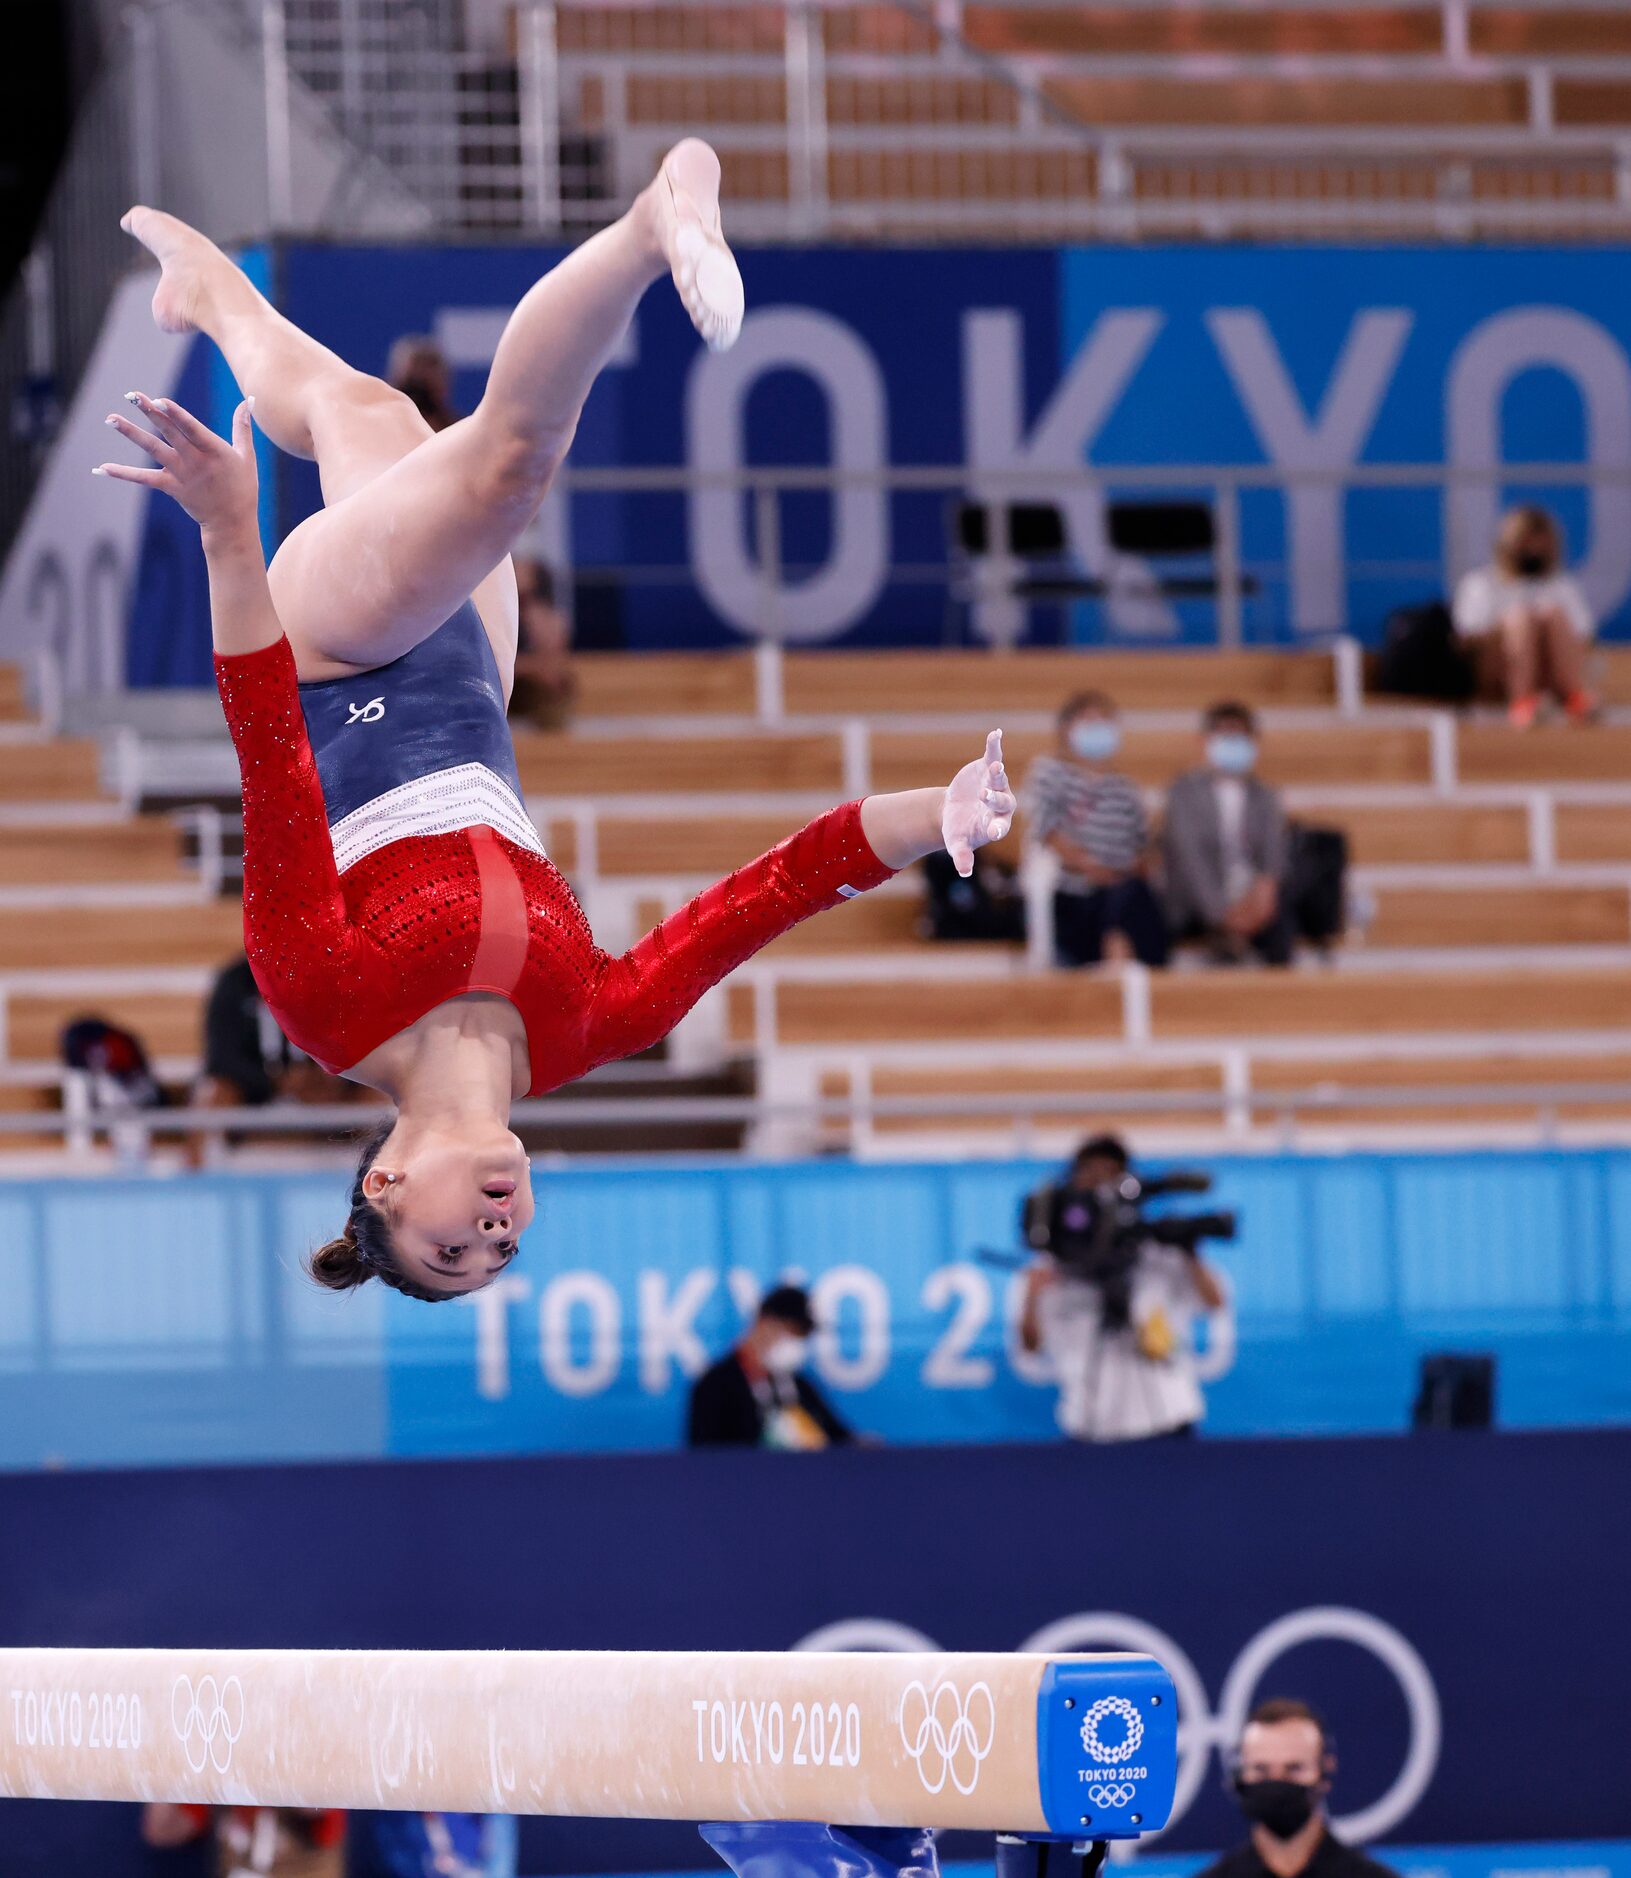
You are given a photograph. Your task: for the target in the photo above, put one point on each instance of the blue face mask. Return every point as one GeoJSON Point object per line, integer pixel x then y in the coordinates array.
{"type": "Point", "coordinates": [1095, 738]}
{"type": "Point", "coordinates": [1231, 751]}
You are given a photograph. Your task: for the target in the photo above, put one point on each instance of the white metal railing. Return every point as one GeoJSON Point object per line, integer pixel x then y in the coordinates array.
{"type": "Point", "coordinates": [1229, 1111]}
{"type": "Point", "coordinates": [837, 121]}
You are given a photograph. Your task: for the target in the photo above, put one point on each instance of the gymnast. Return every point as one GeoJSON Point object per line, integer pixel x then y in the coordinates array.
{"type": "Point", "coordinates": [401, 919]}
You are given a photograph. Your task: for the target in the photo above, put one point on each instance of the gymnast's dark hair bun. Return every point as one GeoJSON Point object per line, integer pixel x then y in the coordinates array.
{"type": "Point", "coordinates": [339, 1266]}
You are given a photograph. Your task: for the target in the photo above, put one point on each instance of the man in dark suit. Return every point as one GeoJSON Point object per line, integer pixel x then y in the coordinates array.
{"type": "Point", "coordinates": [1225, 840]}
{"type": "Point", "coordinates": [757, 1395]}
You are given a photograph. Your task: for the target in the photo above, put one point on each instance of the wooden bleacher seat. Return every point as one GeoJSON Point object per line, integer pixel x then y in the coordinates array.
{"type": "Point", "coordinates": [886, 30]}
{"type": "Point", "coordinates": [1251, 1004]}
{"type": "Point", "coordinates": [1496, 753]}
{"type": "Point", "coordinates": [65, 768]}
{"type": "Point", "coordinates": [920, 98]}
{"type": "Point", "coordinates": [705, 98]}
{"type": "Point", "coordinates": [1501, 916]}
{"type": "Point", "coordinates": [1041, 1080]}
{"type": "Point", "coordinates": [679, 30]}
{"type": "Point", "coordinates": [557, 765]}
{"type": "Point", "coordinates": [1594, 831]}
{"type": "Point", "coordinates": [1199, 1006]}
{"type": "Point", "coordinates": [105, 938]}
{"type": "Point", "coordinates": [1108, 32]}
{"type": "Point", "coordinates": [1468, 1073]}
{"type": "Point", "coordinates": [664, 684]}
{"type": "Point", "coordinates": [871, 684]}
{"type": "Point", "coordinates": [169, 1023]}
{"type": "Point", "coordinates": [146, 848]}
{"type": "Point", "coordinates": [996, 174]}
{"type": "Point", "coordinates": [1549, 32]}
{"type": "Point", "coordinates": [1427, 833]}
{"type": "Point", "coordinates": [1037, 1007]}
{"type": "Point", "coordinates": [1316, 103]}
{"type": "Point", "coordinates": [1333, 755]}
{"type": "Point", "coordinates": [27, 1099]}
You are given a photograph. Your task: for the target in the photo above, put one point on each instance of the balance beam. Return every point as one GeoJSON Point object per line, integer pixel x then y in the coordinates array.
{"type": "Point", "coordinates": [1074, 1747]}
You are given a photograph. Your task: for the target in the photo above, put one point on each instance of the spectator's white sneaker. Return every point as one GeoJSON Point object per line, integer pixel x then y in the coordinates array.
{"type": "Point", "coordinates": [704, 269]}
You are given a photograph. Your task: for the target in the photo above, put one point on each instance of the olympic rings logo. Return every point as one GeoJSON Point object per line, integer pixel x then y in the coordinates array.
{"type": "Point", "coordinates": [1106, 1797]}
{"type": "Point", "coordinates": [948, 1734]}
{"type": "Point", "coordinates": [1200, 1728]}
{"type": "Point", "coordinates": [208, 1720]}
{"type": "Point", "coordinates": [1102, 1710]}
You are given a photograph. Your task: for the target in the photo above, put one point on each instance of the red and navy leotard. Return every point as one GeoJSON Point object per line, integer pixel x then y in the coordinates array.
{"type": "Point", "coordinates": [347, 959]}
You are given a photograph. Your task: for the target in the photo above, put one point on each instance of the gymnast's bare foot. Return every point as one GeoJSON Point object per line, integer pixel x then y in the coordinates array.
{"type": "Point", "coordinates": [186, 259]}
{"type": "Point", "coordinates": [685, 199]}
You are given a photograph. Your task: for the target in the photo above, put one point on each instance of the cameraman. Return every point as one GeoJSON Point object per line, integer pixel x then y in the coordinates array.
{"type": "Point", "coordinates": [1112, 1299]}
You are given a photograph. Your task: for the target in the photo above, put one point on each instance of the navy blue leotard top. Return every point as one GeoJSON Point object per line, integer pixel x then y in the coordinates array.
{"type": "Point", "coordinates": [419, 746]}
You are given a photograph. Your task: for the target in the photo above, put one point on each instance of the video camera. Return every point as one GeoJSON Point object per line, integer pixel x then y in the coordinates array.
{"type": "Point", "coordinates": [1097, 1236]}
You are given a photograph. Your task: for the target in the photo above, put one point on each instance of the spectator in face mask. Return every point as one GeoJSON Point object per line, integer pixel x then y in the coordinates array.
{"type": "Point", "coordinates": [1093, 818]}
{"type": "Point", "coordinates": [1283, 1772]}
{"type": "Point", "coordinates": [757, 1395]}
{"type": "Point", "coordinates": [1526, 622]}
{"type": "Point", "coordinates": [1226, 848]}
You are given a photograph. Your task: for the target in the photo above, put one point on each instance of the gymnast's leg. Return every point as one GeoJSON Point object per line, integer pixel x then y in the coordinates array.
{"type": "Point", "coordinates": [384, 565]}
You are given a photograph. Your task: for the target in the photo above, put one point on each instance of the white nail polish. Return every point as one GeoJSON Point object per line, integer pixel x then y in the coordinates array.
{"type": "Point", "coordinates": [133, 397]}
{"type": "Point", "coordinates": [99, 471]}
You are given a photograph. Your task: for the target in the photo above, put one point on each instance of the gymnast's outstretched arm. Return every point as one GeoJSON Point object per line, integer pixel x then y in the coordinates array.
{"type": "Point", "coordinates": [642, 995]}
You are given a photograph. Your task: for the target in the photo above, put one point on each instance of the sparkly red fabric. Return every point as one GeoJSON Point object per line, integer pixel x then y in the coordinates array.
{"type": "Point", "coordinates": [346, 961]}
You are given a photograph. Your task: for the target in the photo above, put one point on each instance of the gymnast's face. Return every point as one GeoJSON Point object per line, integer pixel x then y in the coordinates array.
{"type": "Point", "coordinates": [458, 1200]}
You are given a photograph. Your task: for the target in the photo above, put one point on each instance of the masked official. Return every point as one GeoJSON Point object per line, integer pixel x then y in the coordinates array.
{"type": "Point", "coordinates": [1282, 1775]}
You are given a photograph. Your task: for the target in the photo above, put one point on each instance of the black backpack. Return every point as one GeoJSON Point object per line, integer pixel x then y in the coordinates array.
{"type": "Point", "coordinates": [1422, 658]}
{"type": "Point", "coordinates": [1315, 885]}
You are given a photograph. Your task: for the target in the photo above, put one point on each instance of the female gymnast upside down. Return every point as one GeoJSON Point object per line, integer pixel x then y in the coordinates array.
{"type": "Point", "coordinates": [400, 917]}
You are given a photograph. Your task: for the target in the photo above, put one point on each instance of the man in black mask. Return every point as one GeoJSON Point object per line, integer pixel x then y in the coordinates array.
{"type": "Point", "coordinates": [1282, 1775]}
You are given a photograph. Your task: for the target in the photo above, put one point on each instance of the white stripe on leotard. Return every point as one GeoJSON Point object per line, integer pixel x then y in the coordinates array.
{"type": "Point", "coordinates": [468, 796]}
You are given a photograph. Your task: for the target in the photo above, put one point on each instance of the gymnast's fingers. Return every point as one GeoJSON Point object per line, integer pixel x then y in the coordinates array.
{"type": "Point", "coordinates": [128, 473]}
{"type": "Point", "coordinates": [200, 436]}
{"type": "Point", "coordinates": [154, 414]}
{"type": "Point", "coordinates": [156, 447]}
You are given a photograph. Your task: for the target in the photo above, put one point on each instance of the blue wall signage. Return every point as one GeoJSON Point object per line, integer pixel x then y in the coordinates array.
{"type": "Point", "coordinates": [1442, 1598]}
{"type": "Point", "coordinates": [170, 1320]}
{"type": "Point", "coordinates": [1014, 362]}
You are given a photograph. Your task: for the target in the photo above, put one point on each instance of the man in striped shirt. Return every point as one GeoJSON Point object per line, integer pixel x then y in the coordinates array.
{"type": "Point", "coordinates": [1094, 819]}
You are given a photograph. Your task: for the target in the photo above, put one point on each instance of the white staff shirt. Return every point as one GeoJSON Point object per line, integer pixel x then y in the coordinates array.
{"type": "Point", "coordinates": [1484, 597]}
{"type": "Point", "coordinates": [1109, 1390]}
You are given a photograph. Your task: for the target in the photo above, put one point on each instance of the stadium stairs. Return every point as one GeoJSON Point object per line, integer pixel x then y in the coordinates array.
{"type": "Point", "coordinates": [1494, 868]}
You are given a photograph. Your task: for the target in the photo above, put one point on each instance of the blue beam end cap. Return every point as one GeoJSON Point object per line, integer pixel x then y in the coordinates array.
{"type": "Point", "coordinates": [1107, 1746]}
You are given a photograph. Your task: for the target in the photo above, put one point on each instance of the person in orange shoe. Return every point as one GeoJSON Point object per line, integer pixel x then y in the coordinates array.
{"type": "Point", "coordinates": [1526, 623]}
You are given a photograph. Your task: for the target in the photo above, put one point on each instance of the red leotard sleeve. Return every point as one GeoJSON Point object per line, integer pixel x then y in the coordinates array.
{"type": "Point", "coordinates": [645, 993]}
{"type": "Point", "coordinates": [296, 930]}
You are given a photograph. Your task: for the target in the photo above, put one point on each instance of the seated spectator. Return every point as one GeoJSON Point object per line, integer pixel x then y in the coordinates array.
{"type": "Point", "coordinates": [1093, 818]}
{"type": "Point", "coordinates": [757, 1395]}
{"type": "Point", "coordinates": [1226, 848]}
{"type": "Point", "coordinates": [546, 686]}
{"type": "Point", "coordinates": [418, 367]}
{"type": "Point", "coordinates": [1526, 622]}
{"type": "Point", "coordinates": [429, 1845]}
{"type": "Point", "coordinates": [238, 1840]}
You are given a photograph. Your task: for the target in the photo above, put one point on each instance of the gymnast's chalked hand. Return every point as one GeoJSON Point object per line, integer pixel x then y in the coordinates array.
{"type": "Point", "coordinates": [979, 806]}
{"type": "Point", "coordinates": [212, 479]}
